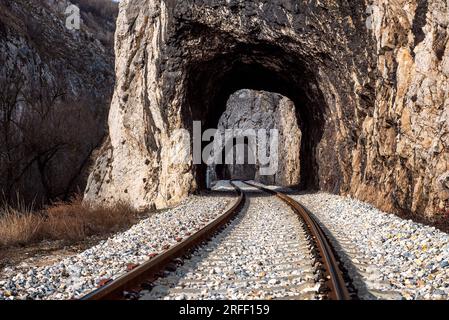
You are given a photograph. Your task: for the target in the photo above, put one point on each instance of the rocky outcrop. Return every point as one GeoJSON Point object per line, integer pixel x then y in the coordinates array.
{"type": "Point", "coordinates": [35, 42]}
{"type": "Point", "coordinates": [50, 66]}
{"type": "Point", "coordinates": [402, 153]}
{"type": "Point", "coordinates": [250, 109]}
{"type": "Point", "coordinates": [369, 82]}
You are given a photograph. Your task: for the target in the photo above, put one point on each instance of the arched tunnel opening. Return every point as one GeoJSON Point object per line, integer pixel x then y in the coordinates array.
{"type": "Point", "coordinates": [265, 144]}
{"type": "Point", "coordinates": [267, 68]}
{"type": "Point", "coordinates": [243, 170]}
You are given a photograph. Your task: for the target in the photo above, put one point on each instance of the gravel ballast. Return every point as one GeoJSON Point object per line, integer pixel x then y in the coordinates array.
{"type": "Point", "coordinates": [263, 254]}
{"type": "Point", "coordinates": [388, 257]}
{"type": "Point", "coordinates": [77, 275]}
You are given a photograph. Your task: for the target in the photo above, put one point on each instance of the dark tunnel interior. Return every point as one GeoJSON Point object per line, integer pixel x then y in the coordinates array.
{"type": "Point", "coordinates": [210, 84]}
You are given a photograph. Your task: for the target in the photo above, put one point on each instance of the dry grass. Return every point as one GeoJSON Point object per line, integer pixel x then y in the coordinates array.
{"type": "Point", "coordinates": [72, 222]}
{"type": "Point", "coordinates": [18, 228]}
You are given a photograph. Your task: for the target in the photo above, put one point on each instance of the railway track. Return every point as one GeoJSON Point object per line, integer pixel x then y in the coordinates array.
{"type": "Point", "coordinates": [257, 249]}
{"type": "Point", "coordinates": [334, 277]}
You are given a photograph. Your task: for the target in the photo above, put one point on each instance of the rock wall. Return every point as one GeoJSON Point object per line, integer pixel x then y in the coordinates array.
{"type": "Point", "coordinates": [38, 53]}
{"type": "Point", "coordinates": [402, 158]}
{"type": "Point", "coordinates": [369, 82]}
{"type": "Point", "coordinates": [34, 41]}
{"type": "Point", "coordinates": [250, 109]}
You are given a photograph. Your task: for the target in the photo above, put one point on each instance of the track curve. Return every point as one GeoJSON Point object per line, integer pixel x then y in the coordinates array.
{"type": "Point", "coordinates": [334, 276]}
{"type": "Point", "coordinates": [129, 284]}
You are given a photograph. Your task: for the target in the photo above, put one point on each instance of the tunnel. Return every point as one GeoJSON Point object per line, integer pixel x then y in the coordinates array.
{"type": "Point", "coordinates": [246, 170]}
{"type": "Point", "coordinates": [178, 61]}
{"type": "Point", "coordinates": [264, 67]}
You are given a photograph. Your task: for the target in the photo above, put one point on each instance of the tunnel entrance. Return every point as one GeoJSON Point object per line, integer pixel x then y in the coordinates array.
{"type": "Point", "coordinates": [180, 62]}
{"type": "Point", "coordinates": [265, 114]}
{"type": "Point", "coordinates": [237, 171]}
{"type": "Point", "coordinates": [268, 68]}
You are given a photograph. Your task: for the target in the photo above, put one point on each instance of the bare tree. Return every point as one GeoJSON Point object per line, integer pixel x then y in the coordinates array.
{"type": "Point", "coordinates": [47, 138]}
{"type": "Point", "coordinates": [11, 85]}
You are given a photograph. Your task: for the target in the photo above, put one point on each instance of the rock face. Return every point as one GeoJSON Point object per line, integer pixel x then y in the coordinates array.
{"type": "Point", "coordinates": [369, 82]}
{"type": "Point", "coordinates": [250, 109]}
{"type": "Point", "coordinates": [34, 41]}
{"type": "Point", "coordinates": [38, 53]}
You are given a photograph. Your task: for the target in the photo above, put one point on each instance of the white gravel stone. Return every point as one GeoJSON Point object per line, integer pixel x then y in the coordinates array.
{"type": "Point", "coordinates": [262, 254]}
{"type": "Point", "coordinates": [386, 256]}
{"type": "Point", "coordinates": [76, 275]}
{"type": "Point", "coordinates": [389, 258]}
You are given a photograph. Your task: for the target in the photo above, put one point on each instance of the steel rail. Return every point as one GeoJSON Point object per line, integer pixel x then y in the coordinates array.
{"type": "Point", "coordinates": [333, 274]}
{"type": "Point", "coordinates": [148, 271]}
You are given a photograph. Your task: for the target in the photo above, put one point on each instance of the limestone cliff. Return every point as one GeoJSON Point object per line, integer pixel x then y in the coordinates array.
{"type": "Point", "coordinates": [41, 62]}
{"type": "Point", "coordinates": [369, 82]}
{"type": "Point", "coordinates": [34, 41]}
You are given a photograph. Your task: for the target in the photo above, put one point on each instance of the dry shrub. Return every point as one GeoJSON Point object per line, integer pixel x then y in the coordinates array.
{"type": "Point", "coordinates": [77, 220]}
{"type": "Point", "coordinates": [18, 226]}
{"type": "Point", "coordinates": [74, 221]}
